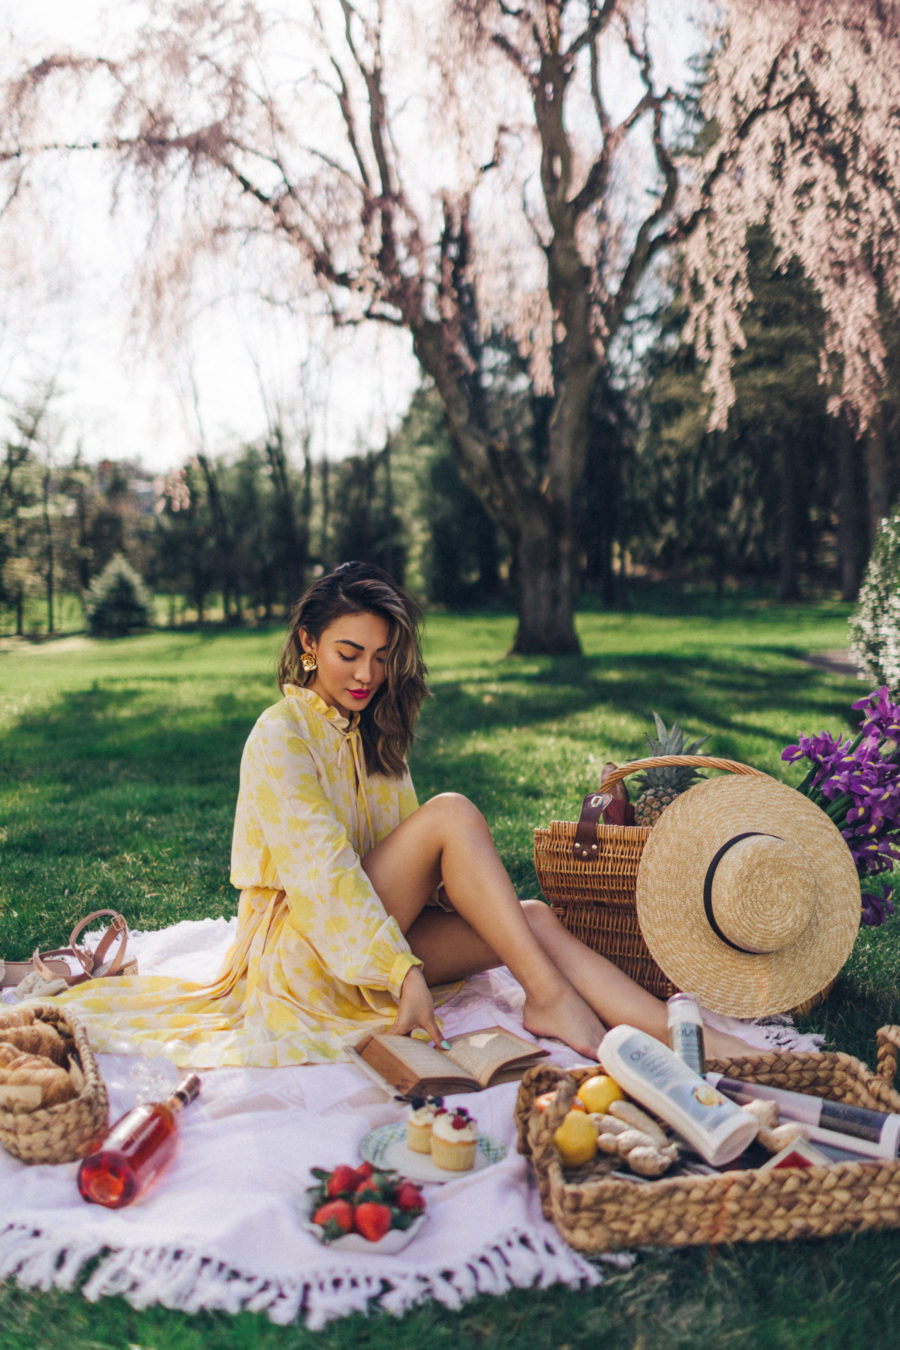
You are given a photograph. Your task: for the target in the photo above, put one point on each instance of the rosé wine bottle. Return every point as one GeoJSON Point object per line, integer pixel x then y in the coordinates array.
{"type": "Point", "coordinates": [136, 1150]}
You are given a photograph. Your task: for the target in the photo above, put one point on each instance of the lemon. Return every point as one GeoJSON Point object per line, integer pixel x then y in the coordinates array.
{"type": "Point", "coordinates": [576, 1139]}
{"type": "Point", "coordinates": [599, 1091]}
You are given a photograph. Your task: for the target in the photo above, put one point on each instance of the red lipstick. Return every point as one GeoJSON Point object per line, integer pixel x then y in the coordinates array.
{"type": "Point", "coordinates": [359, 693]}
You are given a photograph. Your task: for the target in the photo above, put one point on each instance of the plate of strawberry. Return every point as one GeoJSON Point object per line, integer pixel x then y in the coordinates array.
{"type": "Point", "coordinates": [364, 1208]}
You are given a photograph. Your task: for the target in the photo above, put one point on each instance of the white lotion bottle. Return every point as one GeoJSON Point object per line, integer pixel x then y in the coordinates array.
{"type": "Point", "coordinates": [649, 1071]}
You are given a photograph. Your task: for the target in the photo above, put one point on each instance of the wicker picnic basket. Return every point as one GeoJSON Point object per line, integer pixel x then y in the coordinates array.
{"type": "Point", "coordinates": [598, 1212]}
{"type": "Point", "coordinates": [68, 1130]}
{"type": "Point", "coordinates": [588, 872]}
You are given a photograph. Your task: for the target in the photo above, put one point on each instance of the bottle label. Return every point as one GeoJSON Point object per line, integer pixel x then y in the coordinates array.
{"type": "Point", "coordinates": [686, 1040]}
{"type": "Point", "coordinates": [699, 1100]}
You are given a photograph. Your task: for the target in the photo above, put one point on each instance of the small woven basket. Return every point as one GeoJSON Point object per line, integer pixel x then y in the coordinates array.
{"type": "Point", "coordinates": [595, 896]}
{"type": "Point", "coordinates": [596, 1212]}
{"type": "Point", "coordinates": [68, 1130]}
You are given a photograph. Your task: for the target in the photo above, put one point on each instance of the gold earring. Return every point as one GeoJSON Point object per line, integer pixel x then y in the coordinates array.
{"type": "Point", "coordinates": [308, 662]}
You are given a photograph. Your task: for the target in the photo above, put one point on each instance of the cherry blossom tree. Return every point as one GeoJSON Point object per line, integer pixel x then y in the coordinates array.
{"type": "Point", "coordinates": [804, 96]}
{"type": "Point", "coordinates": [498, 179]}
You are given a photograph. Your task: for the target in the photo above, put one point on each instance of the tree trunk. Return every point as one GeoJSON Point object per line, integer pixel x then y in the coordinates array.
{"type": "Point", "coordinates": [290, 551]}
{"type": "Point", "coordinates": [536, 516]}
{"type": "Point", "coordinates": [787, 568]}
{"type": "Point", "coordinates": [544, 587]}
{"type": "Point", "coordinates": [877, 474]}
{"type": "Point", "coordinates": [849, 551]}
{"type": "Point", "coordinates": [48, 535]}
{"type": "Point", "coordinates": [390, 555]}
{"type": "Point", "coordinates": [230, 581]}
{"type": "Point", "coordinates": [324, 549]}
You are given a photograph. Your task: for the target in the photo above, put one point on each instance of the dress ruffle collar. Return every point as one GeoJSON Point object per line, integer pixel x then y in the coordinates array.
{"type": "Point", "coordinates": [341, 721]}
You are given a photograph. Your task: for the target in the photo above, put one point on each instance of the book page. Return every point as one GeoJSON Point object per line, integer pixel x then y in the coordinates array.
{"type": "Point", "coordinates": [482, 1053]}
{"type": "Point", "coordinates": [406, 1062]}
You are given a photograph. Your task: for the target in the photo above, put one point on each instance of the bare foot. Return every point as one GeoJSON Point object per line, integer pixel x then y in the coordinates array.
{"type": "Point", "coordinates": [568, 1019]}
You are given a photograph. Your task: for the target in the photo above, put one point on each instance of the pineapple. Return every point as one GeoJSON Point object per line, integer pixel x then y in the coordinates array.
{"type": "Point", "coordinates": [659, 787]}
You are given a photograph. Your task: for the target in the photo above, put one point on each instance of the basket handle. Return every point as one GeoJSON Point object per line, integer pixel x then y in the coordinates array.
{"type": "Point", "coordinates": [585, 846]}
{"type": "Point", "coordinates": [888, 1039]}
{"type": "Point", "coordinates": [677, 761]}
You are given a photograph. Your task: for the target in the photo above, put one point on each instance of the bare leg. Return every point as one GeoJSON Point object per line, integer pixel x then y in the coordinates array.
{"type": "Point", "coordinates": [570, 991]}
{"type": "Point", "coordinates": [447, 840]}
{"type": "Point", "coordinates": [610, 992]}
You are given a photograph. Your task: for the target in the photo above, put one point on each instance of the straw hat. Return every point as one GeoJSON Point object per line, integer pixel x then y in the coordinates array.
{"type": "Point", "coordinates": [747, 895]}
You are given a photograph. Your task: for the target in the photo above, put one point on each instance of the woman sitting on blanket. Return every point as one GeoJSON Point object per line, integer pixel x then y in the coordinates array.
{"type": "Point", "coordinates": [356, 904]}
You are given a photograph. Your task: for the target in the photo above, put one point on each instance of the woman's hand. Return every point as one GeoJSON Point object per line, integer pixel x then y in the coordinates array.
{"type": "Point", "coordinates": [416, 1008]}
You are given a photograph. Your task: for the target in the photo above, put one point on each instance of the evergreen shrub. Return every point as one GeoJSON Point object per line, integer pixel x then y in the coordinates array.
{"type": "Point", "coordinates": [118, 600]}
{"type": "Point", "coordinates": [875, 623]}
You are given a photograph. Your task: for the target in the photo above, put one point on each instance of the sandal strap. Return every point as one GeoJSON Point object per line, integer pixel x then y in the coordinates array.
{"type": "Point", "coordinates": [117, 930]}
{"type": "Point", "coordinates": [40, 959]}
{"type": "Point", "coordinates": [90, 961]}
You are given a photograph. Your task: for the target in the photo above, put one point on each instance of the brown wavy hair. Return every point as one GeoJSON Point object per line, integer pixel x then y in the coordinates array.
{"type": "Point", "coordinates": [387, 725]}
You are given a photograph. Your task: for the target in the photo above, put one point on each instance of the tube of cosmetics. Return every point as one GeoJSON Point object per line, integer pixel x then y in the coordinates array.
{"type": "Point", "coordinates": [856, 1129]}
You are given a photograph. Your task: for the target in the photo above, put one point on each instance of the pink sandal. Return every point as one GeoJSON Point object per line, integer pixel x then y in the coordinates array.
{"type": "Point", "coordinates": [58, 964]}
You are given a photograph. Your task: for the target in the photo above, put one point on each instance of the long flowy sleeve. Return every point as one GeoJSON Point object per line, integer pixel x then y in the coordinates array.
{"type": "Point", "coordinates": [315, 960]}
{"type": "Point", "coordinates": [303, 822]}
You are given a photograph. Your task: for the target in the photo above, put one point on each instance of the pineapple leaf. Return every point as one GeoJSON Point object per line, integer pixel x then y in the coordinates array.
{"type": "Point", "coordinates": [694, 747]}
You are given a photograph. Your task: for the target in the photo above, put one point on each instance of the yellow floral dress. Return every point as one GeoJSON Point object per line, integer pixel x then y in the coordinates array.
{"type": "Point", "coordinates": [316, 960]}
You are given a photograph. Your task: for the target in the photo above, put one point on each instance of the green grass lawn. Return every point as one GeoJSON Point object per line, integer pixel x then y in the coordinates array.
{"type": "Point", "coordinates": [118, 774]}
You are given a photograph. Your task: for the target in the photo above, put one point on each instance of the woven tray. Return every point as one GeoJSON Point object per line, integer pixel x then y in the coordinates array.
{"type": "Point", "coordinates": [595, 1212]}
{"type": "Point", "coordinates": [595, 897]}
{"type": "Point", "coordinates": [67, 1131]}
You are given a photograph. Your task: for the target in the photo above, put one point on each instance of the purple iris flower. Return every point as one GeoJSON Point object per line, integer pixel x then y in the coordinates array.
{"type": "Point", "coordinates": [876, 908]}
{"type": "Point", "coordinates": [856, 782]}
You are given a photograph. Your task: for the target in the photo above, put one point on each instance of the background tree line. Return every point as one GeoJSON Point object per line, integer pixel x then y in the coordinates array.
{"type": "Point", "coordinates": [570, 163]}
{"type": "Point", "coordinates": [779, 497]}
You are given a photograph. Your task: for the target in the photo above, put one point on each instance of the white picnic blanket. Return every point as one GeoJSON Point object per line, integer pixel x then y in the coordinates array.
{"type": "Point", "coordinates": [223, 1228]}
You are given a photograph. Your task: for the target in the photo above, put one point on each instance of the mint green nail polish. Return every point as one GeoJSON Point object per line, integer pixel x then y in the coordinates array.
{"type": "Point", "coordinates": [445, 1045]}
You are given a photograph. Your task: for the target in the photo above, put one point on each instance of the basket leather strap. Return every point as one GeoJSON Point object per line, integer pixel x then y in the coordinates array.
{"type": "Point", "coordinates": [584, 845]}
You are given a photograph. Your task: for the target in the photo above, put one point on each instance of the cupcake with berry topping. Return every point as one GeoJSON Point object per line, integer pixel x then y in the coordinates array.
{"type": "Point", "coordinates": [454, 1140]}
{"type": "Point", "coordinates": [419, 1122]}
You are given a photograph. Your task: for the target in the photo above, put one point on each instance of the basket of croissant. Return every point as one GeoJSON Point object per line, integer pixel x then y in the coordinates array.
{"type": "Point", "coordinates": [53, 1103]}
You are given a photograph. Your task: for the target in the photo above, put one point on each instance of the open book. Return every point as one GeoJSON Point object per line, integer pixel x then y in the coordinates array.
{"type": "Point", "coordinates": [475, 1060]}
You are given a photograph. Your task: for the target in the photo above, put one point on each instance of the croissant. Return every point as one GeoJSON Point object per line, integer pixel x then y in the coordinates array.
{"type": "Point", "coordinates": [28, 1081]}
{"type": "Point", "coordinates": [16, 1017]}
{"type": "Point", "coordinates": [38, 1039]}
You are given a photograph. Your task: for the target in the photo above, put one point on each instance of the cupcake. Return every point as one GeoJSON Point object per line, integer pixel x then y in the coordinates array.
{"type": "Point", "coordinates": [454, 1140]}
{"type": "Point", "coordinates": [422, 1111]}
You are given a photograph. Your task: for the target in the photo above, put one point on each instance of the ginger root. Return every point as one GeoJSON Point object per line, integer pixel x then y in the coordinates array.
{"type": "Point", "coordinates": [764, 1112]}
{"type": "Point", "coordinates": [639, 1120]}
{"type": "Point", "coordinates": [607, 1124]}
{"type": "Point", "coordinates": [638, 1151]}
{"type": "Point", "coordinates": [773, 1141]}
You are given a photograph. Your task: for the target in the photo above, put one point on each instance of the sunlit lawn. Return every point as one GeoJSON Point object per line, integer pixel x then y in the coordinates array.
{"type": "Point", "coordinates": [118, 772]}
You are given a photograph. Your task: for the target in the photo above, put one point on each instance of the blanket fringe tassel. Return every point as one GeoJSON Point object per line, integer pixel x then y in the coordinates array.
{"type": "Point", "coordinates": [188, 1282]}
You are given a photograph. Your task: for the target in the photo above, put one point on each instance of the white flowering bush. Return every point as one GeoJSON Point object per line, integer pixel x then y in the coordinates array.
{"type": "Point", "coordinates": [875, 623]}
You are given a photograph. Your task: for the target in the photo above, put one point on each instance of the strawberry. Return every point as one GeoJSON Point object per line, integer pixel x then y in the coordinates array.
{"type": "Point", "coordinates": [364, 1171]}
{"type": "Point", "coordinates": [335, 1217]}
{"type": "Point", "coordinates": [342, 1181]}
{"type": "Point", "coordinates": [368, 1189]}
{"type": "Point", "coordinates": [372, 1219]}
{"type": "Point", "coordinates": [409, 1198]}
